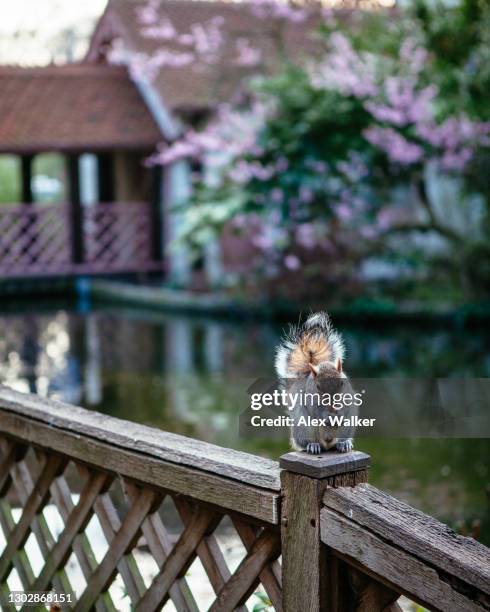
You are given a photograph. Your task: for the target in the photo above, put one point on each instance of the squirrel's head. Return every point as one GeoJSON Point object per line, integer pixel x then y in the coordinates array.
{"type": "Point", "coordinates": [328, 376]}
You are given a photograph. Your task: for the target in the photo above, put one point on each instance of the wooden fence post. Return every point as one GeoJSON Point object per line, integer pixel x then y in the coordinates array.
{"type": "Point", "coordinates": [313, 581]}
{"type": "Point", "coordinates": [75, 210]}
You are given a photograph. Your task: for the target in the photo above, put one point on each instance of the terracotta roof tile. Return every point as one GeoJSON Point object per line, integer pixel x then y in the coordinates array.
{"type": "Point", "coordinates": [78, 107]}
{"type": "Point", "coordinates": [198, 86]}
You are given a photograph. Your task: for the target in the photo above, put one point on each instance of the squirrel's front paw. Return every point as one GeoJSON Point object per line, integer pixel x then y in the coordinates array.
{"type": "Point", "coordinates": [313, 448]}
{"type": "Point", "coordinates": [345, 446]}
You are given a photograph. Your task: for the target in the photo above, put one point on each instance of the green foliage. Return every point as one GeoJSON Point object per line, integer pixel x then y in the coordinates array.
{"type": "Point", "coordinates": [459, 41]}
{"type": "Point", "coordinates": [264, 605]}
{"type": "Point", "coordinates": [9, 179]}
{"type": "Point", "coordinates": [346, 133]}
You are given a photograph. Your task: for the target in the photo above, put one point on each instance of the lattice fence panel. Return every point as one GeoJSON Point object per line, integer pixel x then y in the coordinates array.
{"type": "Point", "coordinates": [117, 234]}
{"type": "Point", "coordinates": [141, 527]}
{"type": "Point", "coordinates": [34, 239]}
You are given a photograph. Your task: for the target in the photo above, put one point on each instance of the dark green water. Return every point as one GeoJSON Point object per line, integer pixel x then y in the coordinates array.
{"type": "Point", "coordinates": [181, 374]}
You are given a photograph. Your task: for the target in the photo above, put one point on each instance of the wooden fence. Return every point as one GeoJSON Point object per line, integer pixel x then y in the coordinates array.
{"type": "Point", "coordinates": [110, 237]}
{"type": "Point", "coordinates": [316, 535]}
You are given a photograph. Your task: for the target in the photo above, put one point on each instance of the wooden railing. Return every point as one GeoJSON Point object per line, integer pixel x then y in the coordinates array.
{"type": "Point", "coordinates": [38, 239]}
{"type": "Point", "coordinates": [315, 536]}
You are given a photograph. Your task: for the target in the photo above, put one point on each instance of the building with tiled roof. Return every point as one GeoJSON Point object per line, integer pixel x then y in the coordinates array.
{"type": "Point", "coordinates": [201, 86]}
{"type": "Point", "coordinates": [77, 107]}
{"type": "Point", "coordinates": [107, 119]}
{"type": "Point", "coordinates": [95, 119]}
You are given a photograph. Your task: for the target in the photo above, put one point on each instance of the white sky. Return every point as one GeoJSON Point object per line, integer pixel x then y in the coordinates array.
{"type": "Point", "coordinates": [30, 29]}
{"type": "Point", "coordinates": [48, 14]}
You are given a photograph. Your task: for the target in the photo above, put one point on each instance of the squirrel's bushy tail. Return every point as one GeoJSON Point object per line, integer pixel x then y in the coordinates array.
{"type": "Point", "coordinates": [313, 342]}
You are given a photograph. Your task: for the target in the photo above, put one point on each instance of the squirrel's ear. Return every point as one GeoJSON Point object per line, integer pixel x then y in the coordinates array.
{"type": "Point", "coordinates": [314, 369]}
{"type": "Point", "coordinates": [338, 365]}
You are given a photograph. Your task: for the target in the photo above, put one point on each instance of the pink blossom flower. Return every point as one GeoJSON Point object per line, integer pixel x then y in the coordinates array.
{"type": "Point", "coordinates": [456, 160]}
{"type": "Point", "coordinates": [387, 217]}
{"type": "Point", "coordinates": [243, 172]}
{"type": "Point", "coordinates": [397, 148]}
{"type": "Point", "coordinates": [247, 55]}
{"type": "Point", "coordinates": [401, 103]}
{"type": "Point", "coordinates": [276, 196]}
{"type": "Point", "coordinates": [369, 232]}
{"type": "Point", "coordinates": [163, 30]}
{"type": "Point", "coordinates": [148, 14]}
{"type": "Point", "coordinates": [169, 154]}
{"type": "Point", "coordinates": [263, 242]}
{"type": "Point", "coordinates": [174, 59]}
{"type": "Point", "coordinates": [306, 195]}
{"type": "Point", "coordinates": [329, 16]}
{"type": "Point", "coordinates": [278, 9]}
{"type": "Point", "coordinates": [413, 54]}
{"type": "Point", "coordinates": [282, 164]}
{"type": "Point", "coordinates": [208, 37]}
{"type": "Point", "coordinates": [345, 70]}
{"type": "Point", "coordinates": [344, 212]}
{"type": "Point", "coordinates": [292, 262]}
{"type": "Point", "coordinates": [318, 166]}
{"type": "Point", "coordinates": [386, 114]}
{"type": "Point", "coordinates": [353, 167]}
{"type": "Point", "coordinates": [186, 39]}
{"type": "Point", "coordinates": [306, 235]}
{"type": "Point", "coordinates": [240, 221]}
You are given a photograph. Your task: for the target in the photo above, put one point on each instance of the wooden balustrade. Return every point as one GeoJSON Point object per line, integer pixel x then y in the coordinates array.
{"type": "Point", "coordinates": [315, 535]}
{"type": "Point", "coordinates": [405, 550]}
{"type": "Point", "coordinates": [50, 240]}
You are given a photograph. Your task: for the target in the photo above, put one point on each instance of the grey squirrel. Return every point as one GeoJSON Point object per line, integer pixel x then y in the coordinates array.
{"type": "Point", "coordinates": [309, 362]}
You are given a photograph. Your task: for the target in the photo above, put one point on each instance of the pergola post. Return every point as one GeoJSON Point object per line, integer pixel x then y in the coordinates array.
{"type": "Point", "coordinates": [157, 223]}
{"type": "Point", "coordinates": [26, 178]}
{"type": "Point", "coordinates": [105, 176]}
{"type": "Point", "coordinates": [75, 211]}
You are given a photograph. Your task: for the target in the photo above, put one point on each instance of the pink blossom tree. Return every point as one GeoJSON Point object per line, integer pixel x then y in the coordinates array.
{"type": "Point", "coordinates": [317, 150]}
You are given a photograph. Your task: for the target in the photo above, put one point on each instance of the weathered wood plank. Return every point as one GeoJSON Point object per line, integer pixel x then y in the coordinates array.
{"type": "Point", "coordinates": [76, 522]}
{"type": "Point", "coordinates": [224, 492]}
{"type": "Point", "coordinates": [6, 606]}
{"type": "Point", "coordinates": [209, 552]}
{"type": "Point", "coordinates": [370, 595]}
{"type": "Point", "coordinates": [11, 454]}
{"type": "Point", "coordinates": [177, 561]}
{"type": "Point", "coordinates": [246, 577]}
{"type": "Point", "coordinates": [393, 566]}
{"type": "Point", "coordinates": [244, 467]}
{"type": "Point", "coordinates": [326, 464]}
{"type": "Point", "coordinates": [82, 548]}
{"type": "Point", "coordinates": [7, 523]}
{"type": "Point", "coordinates": [303, 554]}
{"type": "Point", "coordinates": [110, 525]}
{"type": "Point", "coordinates": [158, 541]}
{"type": "Point", "coordinates": [23, 479]}
{"type": "Point", "coordinates": [270, 579]}
{"type": "Point", "coordinates": [127, 567]}
{"type": "Point", "coordinates": [122, 542]}
{"type": "Point", "coordinates": [21, 560]}
{"type": "Point", "coordinates": [415, 532]}
{"type": "Point", "coordinates": [34, 504]}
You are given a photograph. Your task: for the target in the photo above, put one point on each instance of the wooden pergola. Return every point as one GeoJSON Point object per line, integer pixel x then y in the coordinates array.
{"type": "Point", "coordinates": [75, 110]}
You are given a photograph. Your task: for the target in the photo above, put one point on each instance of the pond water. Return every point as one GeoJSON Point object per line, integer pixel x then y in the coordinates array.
{"type": "Point", "coordinates": [181, 373]}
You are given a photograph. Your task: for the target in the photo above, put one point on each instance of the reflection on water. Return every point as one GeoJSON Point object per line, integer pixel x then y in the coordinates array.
{"type": "Point", "coordinates": [189, 375]}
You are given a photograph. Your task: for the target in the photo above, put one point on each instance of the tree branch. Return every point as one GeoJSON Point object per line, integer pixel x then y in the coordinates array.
{"type": "Point", "coordinates": [433, 226]}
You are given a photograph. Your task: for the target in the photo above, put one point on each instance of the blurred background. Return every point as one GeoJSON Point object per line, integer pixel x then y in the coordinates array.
{"type": "Point", "coordinates": [179, 179]}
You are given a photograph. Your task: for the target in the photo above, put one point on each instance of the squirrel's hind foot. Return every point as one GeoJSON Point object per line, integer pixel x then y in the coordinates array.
{"type": "Point", "coordinates": [345, 446]}
{"type": "Point", "coordinates": [313, 448]}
